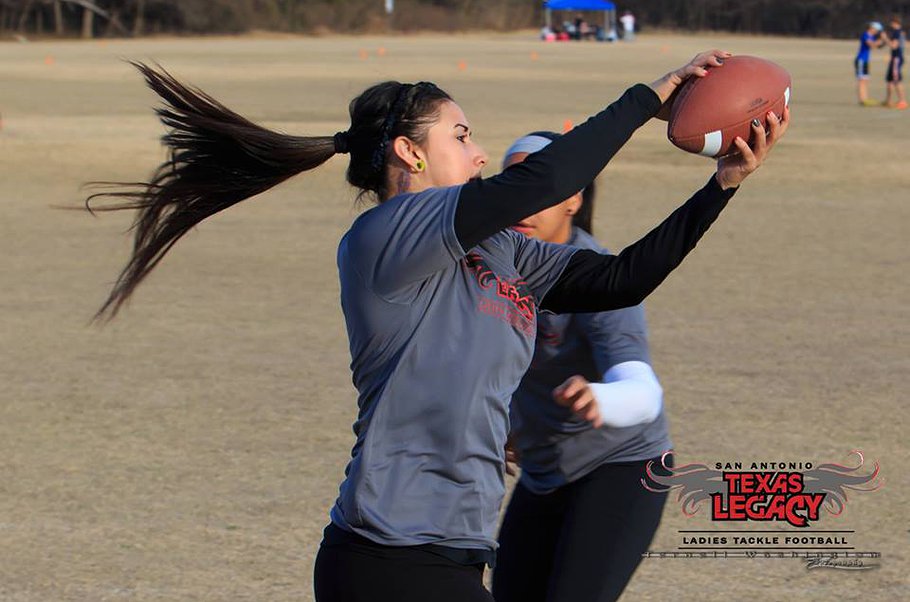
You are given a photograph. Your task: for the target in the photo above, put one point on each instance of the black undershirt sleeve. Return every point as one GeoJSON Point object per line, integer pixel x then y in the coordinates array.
{"type": "Point", "coordinates": [553, 174]}
{"type": "Point", "coordinates": [594, 282]}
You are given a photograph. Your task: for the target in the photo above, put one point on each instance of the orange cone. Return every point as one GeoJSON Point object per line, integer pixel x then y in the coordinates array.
{"type": "Point", "coordinates": [49, 60]}
{"type": "Point", "coordinates": [362, 54]}
{"type": "Point", "coordinates": [462, 65]}
{"type": "Point", "coordinates": [567, 125]}
{"type": "Point", "coordinates": [380, 51]}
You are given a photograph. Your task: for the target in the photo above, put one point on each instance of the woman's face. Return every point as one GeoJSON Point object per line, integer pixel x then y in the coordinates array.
{"type": "Point", "coordinates": [452, 156]}
{"type": "Point", "coordinates": [553, 224]}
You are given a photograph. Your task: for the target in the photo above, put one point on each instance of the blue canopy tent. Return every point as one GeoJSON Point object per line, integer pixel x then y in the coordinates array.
{"type": "Point", "coordinates": [608, 7]}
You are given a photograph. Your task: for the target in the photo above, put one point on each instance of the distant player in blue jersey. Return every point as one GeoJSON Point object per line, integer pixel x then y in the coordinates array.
{"type": "Point", "coordinates": [871, 38]}
{"type": "Point", "coordinates": [586, 418]}
{"type": "Point", "coordinates": [896, 40]}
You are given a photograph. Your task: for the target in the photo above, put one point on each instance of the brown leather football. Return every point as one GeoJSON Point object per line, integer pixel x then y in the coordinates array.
{"type": "Point", "coordinates": [710, 112]}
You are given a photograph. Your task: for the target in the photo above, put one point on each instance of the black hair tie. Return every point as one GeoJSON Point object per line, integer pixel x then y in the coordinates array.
{"type": "Point", "coordinates": [341, 142]}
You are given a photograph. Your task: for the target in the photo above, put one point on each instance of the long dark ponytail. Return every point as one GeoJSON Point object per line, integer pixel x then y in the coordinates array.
{"type": "Point", "coordinates": [219, 158]}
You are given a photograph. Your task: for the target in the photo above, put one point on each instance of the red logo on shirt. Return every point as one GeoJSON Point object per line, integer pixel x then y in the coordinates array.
{"type": "Point", "coordinates": [520, 308]}
{"type": "Point", "coordinates": [551, 338]}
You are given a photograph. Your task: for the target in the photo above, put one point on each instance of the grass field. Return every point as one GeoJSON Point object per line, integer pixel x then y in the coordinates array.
{"type": "Point", "coordinates": [191, 449]}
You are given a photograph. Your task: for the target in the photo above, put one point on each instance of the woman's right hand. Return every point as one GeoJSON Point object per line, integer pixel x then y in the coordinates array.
{"type": "Point", "coordinates": [732, 169]}
{"type": "Point", "coordinates": [513, 458]}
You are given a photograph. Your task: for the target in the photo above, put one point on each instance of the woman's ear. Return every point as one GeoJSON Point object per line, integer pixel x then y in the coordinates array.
{"type": "Point", "coordinates": [573, 203]}
{"type": "Point", "coordinates": [408, 153]}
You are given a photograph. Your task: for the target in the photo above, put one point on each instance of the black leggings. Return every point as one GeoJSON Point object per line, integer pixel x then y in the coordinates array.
{"type": "Point", "coordinates": [580, 543]}
{"type": "Point", "coordinates": [366, 571]}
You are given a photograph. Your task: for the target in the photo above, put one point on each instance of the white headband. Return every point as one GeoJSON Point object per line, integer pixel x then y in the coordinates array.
{"type": "Point", "coordinates": [526, 144]}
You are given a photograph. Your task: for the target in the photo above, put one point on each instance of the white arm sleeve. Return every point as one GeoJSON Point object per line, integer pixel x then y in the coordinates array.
{"type": "Point", "coordinates": [629, 394]}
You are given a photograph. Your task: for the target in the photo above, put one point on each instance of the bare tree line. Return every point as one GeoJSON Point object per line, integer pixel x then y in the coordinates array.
{"type": "Point", "coordinates": [119, 18]}
{"type": "Point", "coordinates": [823, 18]}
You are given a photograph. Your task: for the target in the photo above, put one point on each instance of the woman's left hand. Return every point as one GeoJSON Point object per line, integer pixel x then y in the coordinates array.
{"type": "Point", "coordinates": [667, 86]}
{"type": "Point", "coordinates": [576, 393]}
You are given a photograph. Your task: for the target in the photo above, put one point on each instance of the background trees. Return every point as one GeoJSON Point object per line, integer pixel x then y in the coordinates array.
{"type": "Point", "coordinates": [100, 18]}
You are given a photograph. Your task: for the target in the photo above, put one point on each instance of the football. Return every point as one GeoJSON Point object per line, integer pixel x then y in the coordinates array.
{"type": "Point", "coordinates": [710, 112]}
